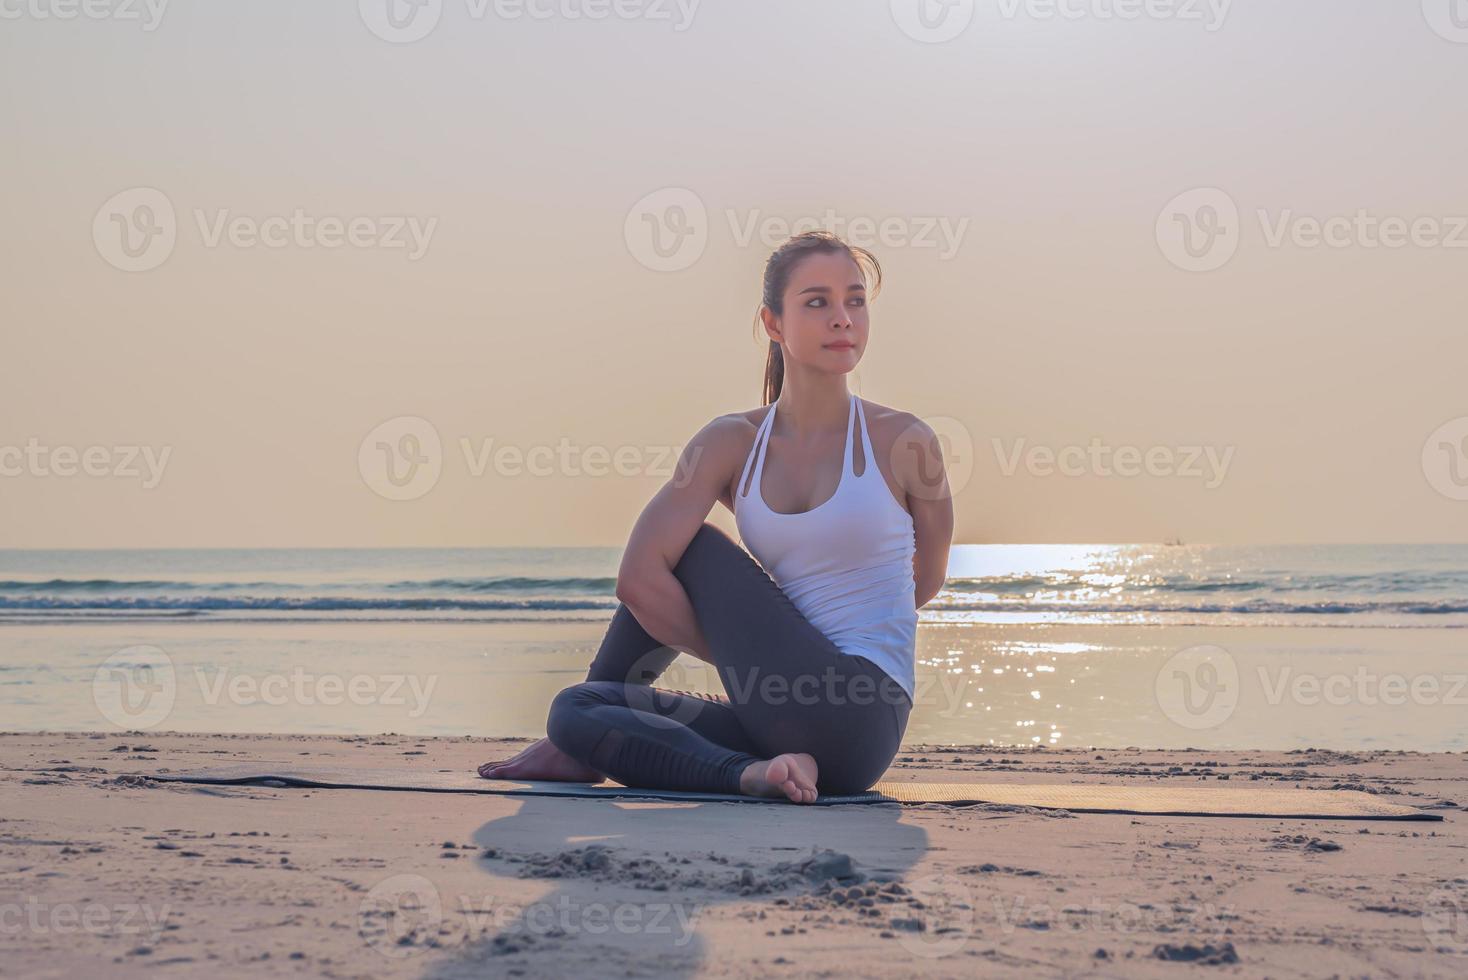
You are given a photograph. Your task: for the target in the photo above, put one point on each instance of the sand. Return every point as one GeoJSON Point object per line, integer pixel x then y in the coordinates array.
{"type": "Point", "coordinates": [104, 873]}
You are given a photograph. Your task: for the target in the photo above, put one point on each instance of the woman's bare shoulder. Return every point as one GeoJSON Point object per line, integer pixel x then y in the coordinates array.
{"type": "Point", "coordinates": [891, 424]}
{"type": "Point", "coordinates": [725, 442]}
{"type": "Point", "coordinates": [900, 438]}
{"type": "Point", "coordinates": [736, 428]}
{"type": "Point", "coordinates": [728, 437]}
{"type": "Point", "coordinates": [749, 416]}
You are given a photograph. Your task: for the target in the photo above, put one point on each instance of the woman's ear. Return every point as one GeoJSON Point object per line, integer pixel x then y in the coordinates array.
{"type": "Point", "coordinates": [772, 324]}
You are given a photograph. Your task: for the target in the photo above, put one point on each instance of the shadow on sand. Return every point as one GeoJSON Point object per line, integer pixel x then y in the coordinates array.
{"type": "Point", "coordinates": [632, 880]}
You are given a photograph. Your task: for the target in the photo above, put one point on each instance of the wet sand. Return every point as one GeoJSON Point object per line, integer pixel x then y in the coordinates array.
{"type": "Point", "coordinates": [104, 873]}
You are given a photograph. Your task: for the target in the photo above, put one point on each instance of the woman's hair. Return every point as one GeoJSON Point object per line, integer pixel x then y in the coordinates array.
{"type": "Point", "coordinates": [778, 270]}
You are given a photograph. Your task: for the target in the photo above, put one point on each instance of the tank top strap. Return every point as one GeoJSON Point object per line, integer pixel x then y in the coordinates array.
{"type": "Point", "coordinates": [866, 443]}
{"type": "Point", "coordinates": [848, 453]}
{"type": "Point", "coordinates": [756, 457]}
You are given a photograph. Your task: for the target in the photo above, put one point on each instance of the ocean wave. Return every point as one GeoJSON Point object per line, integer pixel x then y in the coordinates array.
{"type": "Point", "coordinates": [1092, 585]}
{"type": "Point", "coordinates": [1024, 584]}
{"type": "Point", "coordinates": [135, 585]}
{"type": "Point", "coordinates": [1249, 607]}
{"type": "Point", "coordinates": [213, 603]}
{"type": "Point", "coordinates": [510, 584]}
{"type": "Point", "coordinates": [1409, 582]}
{"type": "Point", "coordinates": [303, 603]}
{"type": "Point", "coordinates": [513, 583]}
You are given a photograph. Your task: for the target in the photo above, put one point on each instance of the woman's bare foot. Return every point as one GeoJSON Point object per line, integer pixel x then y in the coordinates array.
{"type": "Point", "coordinates": [541, 760]}
{"type": "Point", "coordinates": [792, 776]}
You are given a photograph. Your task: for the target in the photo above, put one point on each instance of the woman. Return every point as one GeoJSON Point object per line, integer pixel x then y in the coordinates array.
{"type": "Point", "coordinates": [816, 662]}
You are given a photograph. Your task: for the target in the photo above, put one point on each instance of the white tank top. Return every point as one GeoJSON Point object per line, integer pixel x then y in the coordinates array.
{"type": "Point", "coordinates": [846, 564]}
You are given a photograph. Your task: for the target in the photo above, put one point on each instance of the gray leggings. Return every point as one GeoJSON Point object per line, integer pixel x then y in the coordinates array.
{"type": "Point", "coordinates": [788, 689]}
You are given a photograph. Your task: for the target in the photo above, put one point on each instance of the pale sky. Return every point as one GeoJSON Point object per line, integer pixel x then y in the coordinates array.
{"type": "Point", "coordinates": [1051, 316]}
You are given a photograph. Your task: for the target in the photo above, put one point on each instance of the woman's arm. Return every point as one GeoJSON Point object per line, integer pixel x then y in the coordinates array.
{"type": "Point", "coordinates": [930, 502]}
{"type": "Point", "coordinates": [645, 581]}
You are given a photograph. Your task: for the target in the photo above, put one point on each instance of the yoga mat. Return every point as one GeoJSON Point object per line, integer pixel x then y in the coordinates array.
{"type": "Point", "coordinates": [1178, 801]}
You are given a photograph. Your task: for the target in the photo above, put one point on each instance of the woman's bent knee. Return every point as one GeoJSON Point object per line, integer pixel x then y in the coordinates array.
{"type": "Point", "coordinates": [846, 774]}
{"type": "Point", "coordinates": [846, 782]}
{"type": "Point", "coordinates": [707, 542]}
{"type": "Point", "coordinates": [566, 723]}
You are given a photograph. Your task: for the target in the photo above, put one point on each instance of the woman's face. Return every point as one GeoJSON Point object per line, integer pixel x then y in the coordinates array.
{"type": "Point", "coordinates": [825, 322]}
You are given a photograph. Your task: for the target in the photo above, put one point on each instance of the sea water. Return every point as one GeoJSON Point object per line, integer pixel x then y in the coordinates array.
{"type": "Point", "coordinates": [1055, 645]}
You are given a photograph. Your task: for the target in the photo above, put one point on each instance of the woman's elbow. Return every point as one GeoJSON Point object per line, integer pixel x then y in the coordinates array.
{"type": "Point", "coordinates": [626, 590]}
{"type": "Point", "coordinates": [632, 585]}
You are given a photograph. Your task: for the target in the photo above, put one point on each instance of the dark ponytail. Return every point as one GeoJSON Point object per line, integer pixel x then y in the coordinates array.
{"type": "Point", "coordinates": [778, 270]}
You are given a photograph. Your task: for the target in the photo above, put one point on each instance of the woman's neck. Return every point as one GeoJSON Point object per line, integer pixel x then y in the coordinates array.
{"type": "Point", "coordinates": [810, 409]}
